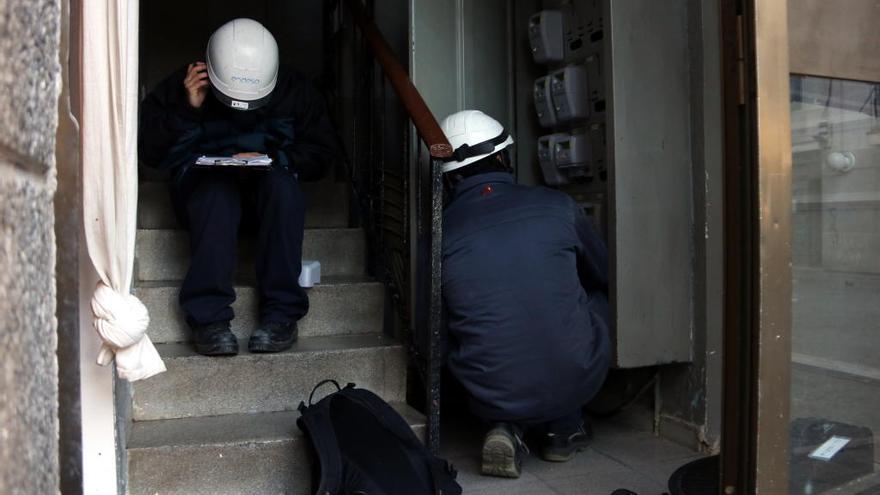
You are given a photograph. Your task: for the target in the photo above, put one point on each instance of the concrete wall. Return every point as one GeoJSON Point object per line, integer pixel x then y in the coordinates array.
{"type": "Point", "coordinates": [29, 89]}
{"type": "Point", "coordinates": [460, 57]}
{"type": "Point", "coordinates": [690, 395]}
{"type": "Point", "coordinates": [834, 39]}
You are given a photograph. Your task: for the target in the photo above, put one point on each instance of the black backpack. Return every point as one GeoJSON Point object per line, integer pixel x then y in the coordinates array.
{"type": "Point", "coordinates": [362, 446]}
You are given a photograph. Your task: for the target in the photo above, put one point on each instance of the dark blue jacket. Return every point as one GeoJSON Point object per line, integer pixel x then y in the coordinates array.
{"type": "Point", "coordinates": [293, 127]}
{"type": "Point", "coordinates": [525, 285]}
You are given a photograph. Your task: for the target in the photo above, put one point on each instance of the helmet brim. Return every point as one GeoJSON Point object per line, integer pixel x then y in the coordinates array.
{"type": "Point", "coordinates": [243, 105]}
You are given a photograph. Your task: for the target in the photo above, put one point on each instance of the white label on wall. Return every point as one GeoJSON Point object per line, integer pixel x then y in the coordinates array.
{"type": "Point", "coordinates": [829, 449]}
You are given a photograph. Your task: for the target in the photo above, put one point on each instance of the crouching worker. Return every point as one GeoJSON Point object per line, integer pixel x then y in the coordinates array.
{"type": "Point", "coordinates": [525, 293]}
{"type": "Point", "coordinates": [239, 103]}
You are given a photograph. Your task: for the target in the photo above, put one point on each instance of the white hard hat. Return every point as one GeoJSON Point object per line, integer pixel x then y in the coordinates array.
{"type": "Point", "coordinates": [242, 61]}
{"type": "Point", "coordinates": [474, 136]}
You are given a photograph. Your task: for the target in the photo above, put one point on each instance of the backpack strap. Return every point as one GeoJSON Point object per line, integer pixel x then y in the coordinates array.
{"type": "Point", "coordinates": [315, 421]}
{"type": "Point", "coordinates": [321, 384]}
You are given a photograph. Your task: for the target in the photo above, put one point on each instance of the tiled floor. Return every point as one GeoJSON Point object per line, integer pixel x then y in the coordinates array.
{"type": "Point", "coordinates": [622, 456]}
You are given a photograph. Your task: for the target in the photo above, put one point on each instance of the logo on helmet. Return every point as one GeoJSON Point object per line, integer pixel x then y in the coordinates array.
{"type": "Point", "coordinates": [245, 80]}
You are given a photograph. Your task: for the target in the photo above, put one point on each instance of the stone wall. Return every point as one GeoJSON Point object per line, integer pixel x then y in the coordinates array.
{"type": "Point", "coordinates": [29, 88]}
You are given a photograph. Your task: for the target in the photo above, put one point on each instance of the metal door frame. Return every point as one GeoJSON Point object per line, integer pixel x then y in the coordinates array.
{"type": "Point", "coordinates": [757, 203]}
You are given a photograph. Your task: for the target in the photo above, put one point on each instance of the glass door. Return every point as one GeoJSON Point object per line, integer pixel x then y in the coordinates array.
{"type": "Point", "coordinates": [802, 324]}
{"type": "Point", "coordinates": [835, 358]}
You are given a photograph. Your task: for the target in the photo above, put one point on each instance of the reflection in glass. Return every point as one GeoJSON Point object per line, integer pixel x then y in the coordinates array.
{"type": "Point", "coordinates": [836, 255]}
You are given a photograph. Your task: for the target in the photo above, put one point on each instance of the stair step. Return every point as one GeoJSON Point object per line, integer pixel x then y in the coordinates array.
{"type": "Point", "coordinates": [163, 255]}
{"type": "Point", "coordinates": [337, 306]}
{"type": "Point", "coordinates": [328, 205]}
{"type": "Point", "coordinates": [196, 385]}
{"type": "Point", "coordinates": [233, 454]}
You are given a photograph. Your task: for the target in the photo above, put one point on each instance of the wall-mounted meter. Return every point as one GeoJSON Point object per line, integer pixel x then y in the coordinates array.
{"type": "Point", "coordinates": [571, 99]}
{"type": "Point", "coordinates": [547, 159]}
{"type": "Point", "coordinates": [572, 155]}
{"type": "Point", "coordinates": [544, 102]}
{"type": "Point", "coordinates": [546, 36]}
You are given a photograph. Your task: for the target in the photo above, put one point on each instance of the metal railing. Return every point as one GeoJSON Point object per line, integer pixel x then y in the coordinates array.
{"type": "Point", "coordinates": [418, 112]}
{"type": "Point", "coordinates": [391, 190]}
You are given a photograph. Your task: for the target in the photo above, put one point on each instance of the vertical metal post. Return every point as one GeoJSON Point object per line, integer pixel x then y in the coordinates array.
{"type": "Point", "coordinates": [757, 352]}
{"type": "Point", "coordinates": [435, 357]}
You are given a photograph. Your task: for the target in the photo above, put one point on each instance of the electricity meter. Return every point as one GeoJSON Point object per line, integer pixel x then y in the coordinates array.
{"type": "Point", "coordinates": [572, 154]}
{"type": "Point", "coordinates": [568, 87]}
{"type": "Point", "coordinates": [544, 102]}
{"type": "Point", "coordinates": [547, 160]}
{"type": "Point", "coordinates": [546, 36]}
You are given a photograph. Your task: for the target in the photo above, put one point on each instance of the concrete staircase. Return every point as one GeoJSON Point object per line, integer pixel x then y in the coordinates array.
{"type": "Point", "coordinates": [228, 425]}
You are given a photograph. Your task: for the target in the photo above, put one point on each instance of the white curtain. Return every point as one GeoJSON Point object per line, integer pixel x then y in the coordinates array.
{"type": "Point", "coordinates": [109, 148]}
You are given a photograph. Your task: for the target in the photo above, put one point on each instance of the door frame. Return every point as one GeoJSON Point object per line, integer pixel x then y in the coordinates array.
{"type": "Point", "coordinates": [757, 216]}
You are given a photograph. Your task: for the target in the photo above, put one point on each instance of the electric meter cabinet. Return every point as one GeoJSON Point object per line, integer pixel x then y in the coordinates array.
{"type": "Point", "coordinates": [546, 36]}
{"type": "Point", "coordinates": [544, 102]}
{"type": "Point", "coordinates": [547, 159]}
{"type": "Point", "coordinates": [572, 155]}
{"type": "Point", "coordinates": [568, 87]}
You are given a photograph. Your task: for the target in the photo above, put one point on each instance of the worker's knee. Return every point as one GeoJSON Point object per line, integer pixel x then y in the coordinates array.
{"type": "Point", "coordinates": [281, 189]}
{"type": "Point", "coordinates": [214, 197]}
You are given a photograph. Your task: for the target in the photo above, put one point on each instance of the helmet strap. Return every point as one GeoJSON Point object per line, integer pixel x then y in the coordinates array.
{"type": "Point", "coordinates": [466, 151]}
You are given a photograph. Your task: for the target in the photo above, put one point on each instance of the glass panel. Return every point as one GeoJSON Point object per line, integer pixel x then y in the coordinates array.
{"type": "Point", "coordinates": [835, 407]}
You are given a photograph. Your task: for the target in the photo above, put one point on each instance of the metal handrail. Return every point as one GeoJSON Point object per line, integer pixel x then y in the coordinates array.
{"type": "Point", "coordinates": [416, 108]}
{"type": "Point", "coordinates": [429, 195]}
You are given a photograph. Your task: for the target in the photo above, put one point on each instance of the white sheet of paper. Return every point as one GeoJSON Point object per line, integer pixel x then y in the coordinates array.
{"type": "Point", "coordinates": [260, 161]}
{"type": "Point", "coordinates": [829, 449]}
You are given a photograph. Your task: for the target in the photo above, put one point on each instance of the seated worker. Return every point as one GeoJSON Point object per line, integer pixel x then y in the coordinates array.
{"type": "Point", "coordinates": [525, 290]}
{"type": "Point", "coordinates": [239, 103]}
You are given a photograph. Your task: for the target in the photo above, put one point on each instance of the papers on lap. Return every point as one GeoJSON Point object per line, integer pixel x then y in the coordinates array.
{"type": "Point", "coordinates": [260, 161]}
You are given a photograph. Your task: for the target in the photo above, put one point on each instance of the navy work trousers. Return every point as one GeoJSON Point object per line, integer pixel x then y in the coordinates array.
{"type": "Point", "coordinates": [214, 206]}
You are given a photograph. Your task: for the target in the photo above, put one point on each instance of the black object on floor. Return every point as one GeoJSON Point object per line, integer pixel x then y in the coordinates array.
{"type": "Point", "coordinates": [359, 444]}
{"type": "Point", "coordinates": [827, 454]}
{"type": "Point", "coordinates": [700, 477]}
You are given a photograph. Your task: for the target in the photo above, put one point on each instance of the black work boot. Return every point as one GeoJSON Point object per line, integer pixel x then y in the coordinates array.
{"type": "Point", "coordinates": [562, 446]}
{"type": "Point", "coordinates": [273, 337]}
{"type": "Point", "coordinates": [215, 339]}
{"type": "Point", "coordinates": [501, 451]}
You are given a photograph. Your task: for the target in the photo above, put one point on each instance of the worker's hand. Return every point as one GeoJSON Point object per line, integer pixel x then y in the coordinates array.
{"type": "Point", "coordinates": [196, 83]}
{"type": "Point", "coordinates": [249, 154]}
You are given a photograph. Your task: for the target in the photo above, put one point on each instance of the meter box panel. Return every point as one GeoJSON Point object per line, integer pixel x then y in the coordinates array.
{"type": "Point", "coordinates": [572, 155]}
{"type": "Point", "coordinates": [597, 151]}
{"type": "Point", "coordinates": [546, 37]}
{"type": "Point", "coordinates": [576, 38]}
{"type": "Point", "coordinates": [596, 86]}
{"type": "Point", "coordinates": [589, 14]}
{"type": "Point", "coordinates": [544, 102]}
{"type": "Point", "coordinates": [570, 93]}
{"type": "Point", "coordinates": [547, 159]}
{"type": "Point", "coordinates": [595, 211]}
